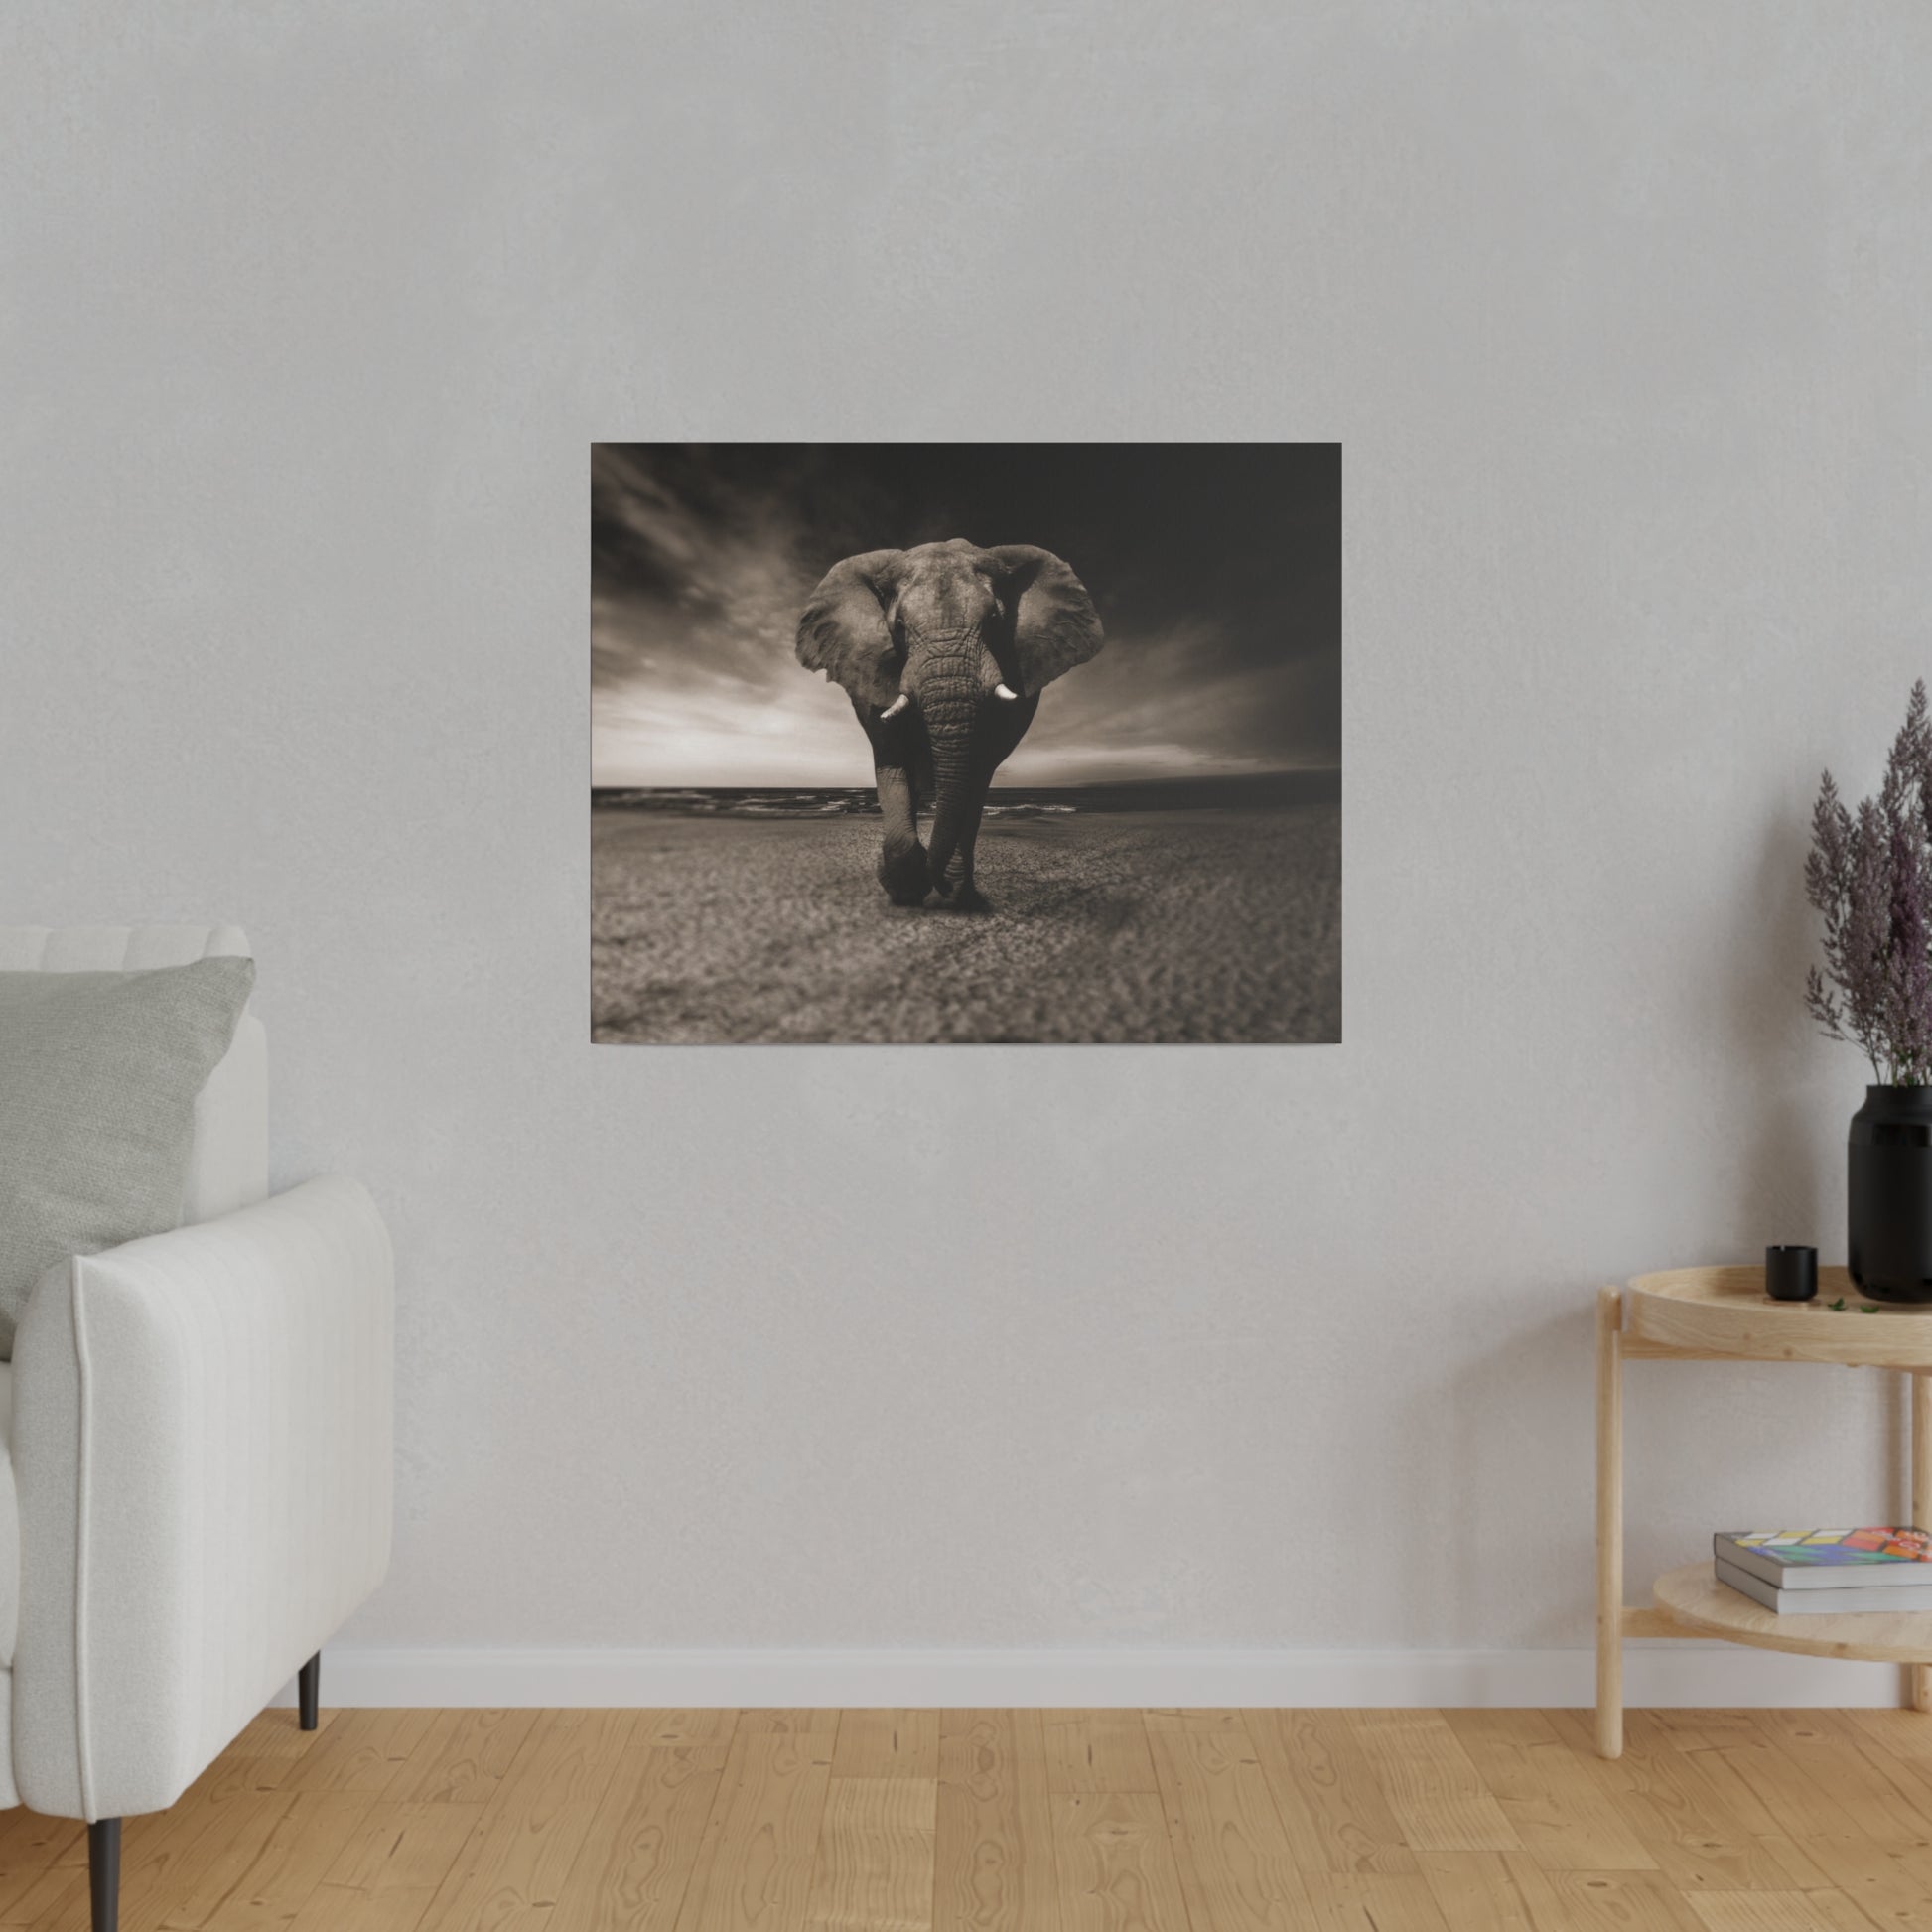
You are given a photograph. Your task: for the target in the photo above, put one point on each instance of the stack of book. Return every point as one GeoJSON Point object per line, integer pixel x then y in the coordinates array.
{"type": "Point", "coordinates": [1827, 1572]}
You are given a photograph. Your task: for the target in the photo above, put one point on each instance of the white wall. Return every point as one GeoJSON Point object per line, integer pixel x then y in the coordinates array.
{"type": "Point", "coordinates": [1622, 315]}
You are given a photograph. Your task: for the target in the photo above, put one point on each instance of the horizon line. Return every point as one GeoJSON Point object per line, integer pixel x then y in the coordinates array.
{"type": "Point", "coordinates": [1078, 784]}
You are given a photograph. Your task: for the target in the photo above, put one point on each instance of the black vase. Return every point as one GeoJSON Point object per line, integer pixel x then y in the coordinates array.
{"type": "Point", "coordinates": [1889, 1198]}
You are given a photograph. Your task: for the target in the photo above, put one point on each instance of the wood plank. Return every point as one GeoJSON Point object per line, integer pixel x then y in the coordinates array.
{"type": "Point", "coordinates": [1374, 1901]}
{"type": "Point", "coordinates": [1715, 1776]}
{"type": "Point", "coordinates": [1225, 1723]}
{"type": "Point", "coordinates": [1891, 1884]}
{"type": "Point", "coordinates": [1549, 1793]}
{"type": "Point", "coordinates": [362, 1751]}
{"type": "Point", "coordinates": [1899, 1751]}
{"type": "Point", "coordinates": [1097, 1750]}
{"type": "Point", "coordinates": [1436, 1793]}
{"type": "Point", "coordinates": [1698, 1843]}
{"type": "Point", "coordinates": [1802, 1872]}
{"type": "Point", "coordinates": [1491, 1892]}
{"type": "Point", "coordinates": [63, 1901]}
{"type": "Point", "coordinates": [1885, 1799]}
{"type": "Point", "coordinates": [512, 1866]}
{"type": "Point", "coordinates": [1331, 1805]}
{"type": "Point", "coordinates": [1115, 1865]}
{"type": "Point", "coordinates": [1902, 1735]}
{"type": "Point", "coordinates": [799, 1722]}
{"type": "Point", "coordinates": [279, 1734]}
{"type": "Point", "coordinates": [385, 1877]}
{"type": "Point", "coordinates": [757, 1864]}
{"type": "Point", "coordinates": [874, 1868]}
{"type": "Point", "coordinates": [1617, 1901]}
{"type": "Point", "coordinates": [994, 1867]}
{"type": "Point", "coordinates": [1779, 1911]}
{"type": "Point", "coordinates": [31, 1846]}
{"type": "Point", "coordinates": [1775, 1795]}
{"type": "Point", "coordinates": [907, 1821]}
{"type": "Point", "coordinates": [1698, 1730]}
{"type": "Point", "coordinates": [295, 1857]}
{"type": "Point", "coordinates": [1710, 1778]}
{"type": "Point", "coordinates": [220, 1842]}
{"type": "Point", "coordinates": [887, 1745]}
{"type": "Point", "coordinates": [462, 1759]}
{"type": "Point", "coordinates": [1237, 1871]}
{"type": "Point", "coordinates": [229, 1775]}
{"type": "Point", "coordinates": [686, 1726]}
{"type": "Point", "coordinates": [645, 1843]}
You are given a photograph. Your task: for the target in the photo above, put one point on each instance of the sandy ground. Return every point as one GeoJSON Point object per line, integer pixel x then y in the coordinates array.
{"type": "Point", "coordinates": [1160, 925]}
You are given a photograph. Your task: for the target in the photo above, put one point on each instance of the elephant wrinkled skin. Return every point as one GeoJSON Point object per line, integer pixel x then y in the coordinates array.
{"type": "Point", "coordinates": [943, 651]}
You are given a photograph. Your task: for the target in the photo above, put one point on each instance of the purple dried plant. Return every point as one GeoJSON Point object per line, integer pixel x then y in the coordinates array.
{"type": "Point", "coordinates": [1870, 874]}
{"type": "Point", "coordinates": [1908, 978]}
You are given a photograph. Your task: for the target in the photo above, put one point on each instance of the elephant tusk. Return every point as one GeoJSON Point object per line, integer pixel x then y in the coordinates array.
{"type": "Point", "coordinates": [1000, 691]}
{"type": "Point", "coordinates": [897, 705]}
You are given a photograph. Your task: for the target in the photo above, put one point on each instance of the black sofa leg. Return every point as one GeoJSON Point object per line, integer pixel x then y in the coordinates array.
{"type": "Point", "coordinates": [105, 1873]}
{"type": "Point", "coordinates": [307, 1687]}
{"type": "Point", "coordinates": [105, 1836]}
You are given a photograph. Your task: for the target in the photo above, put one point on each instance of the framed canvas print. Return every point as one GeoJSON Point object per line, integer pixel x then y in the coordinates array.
{"type": "Point", "coordinates": [921, 743]}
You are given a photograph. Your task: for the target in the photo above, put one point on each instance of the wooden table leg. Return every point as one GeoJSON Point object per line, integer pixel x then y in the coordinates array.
{"type": "Point", "coordinates": [1921, 1674]}
{"type": "Point", "coordinates": [1610, 1522]}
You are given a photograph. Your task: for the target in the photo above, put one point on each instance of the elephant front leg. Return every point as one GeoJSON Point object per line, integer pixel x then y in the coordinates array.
{"type": "Point", "coordinates": [957, 889]}
{"type": "Point", "coordinates": [902, 868]}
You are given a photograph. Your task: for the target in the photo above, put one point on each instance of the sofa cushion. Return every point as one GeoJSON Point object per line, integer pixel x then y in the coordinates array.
{"type": "Point", "coordinates": [98, 1077]}
{"type": "Point", "coordinates": [228, 1168]}
{"type": "Point", "coordinates": [9, 1523]}
{"type": "Point", "coordinates": [9, 1583]}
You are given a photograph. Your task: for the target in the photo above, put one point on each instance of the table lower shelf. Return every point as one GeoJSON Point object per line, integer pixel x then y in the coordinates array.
{"type": "Point", "coordinates": [1696, 1602]}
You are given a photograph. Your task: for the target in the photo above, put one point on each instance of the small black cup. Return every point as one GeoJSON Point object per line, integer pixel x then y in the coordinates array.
{"type": "Point", "coordinates": [1791, 1274]}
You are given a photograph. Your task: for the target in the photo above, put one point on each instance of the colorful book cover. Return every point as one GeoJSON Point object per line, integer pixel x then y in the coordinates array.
{"type": "Point", "coordinates": [1822, 1549]}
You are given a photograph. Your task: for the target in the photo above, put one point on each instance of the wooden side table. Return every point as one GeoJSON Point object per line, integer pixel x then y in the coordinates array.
{"type": "Point", "coordinates": [1706, 1315]}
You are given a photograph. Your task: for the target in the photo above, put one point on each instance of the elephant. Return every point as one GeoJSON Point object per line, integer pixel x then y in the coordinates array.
{"type": "Point", "coordinates": [943, 651]}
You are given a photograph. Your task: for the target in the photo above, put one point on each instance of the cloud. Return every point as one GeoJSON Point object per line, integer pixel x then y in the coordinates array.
{"type": "Point", "coordinates": [696, 593]}
{"type": "Point", "coordinates": [1180, 695]}
{"type": "Point", "coordinates": [702, 560]}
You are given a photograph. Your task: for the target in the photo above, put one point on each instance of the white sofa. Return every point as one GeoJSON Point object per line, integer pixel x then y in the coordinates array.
{"type": "Point", "coordinates": [198, 1460]}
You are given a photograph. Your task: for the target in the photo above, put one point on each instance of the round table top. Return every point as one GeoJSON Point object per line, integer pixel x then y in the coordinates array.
{"type": "Point", "coordinates": [1693, 1598]}
{"type": "Point", "coordinates": [1725, 1312]}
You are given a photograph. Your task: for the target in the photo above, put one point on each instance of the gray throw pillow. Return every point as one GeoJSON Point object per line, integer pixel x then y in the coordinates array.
{"type": "Point", "coordinates": [98, 1074]}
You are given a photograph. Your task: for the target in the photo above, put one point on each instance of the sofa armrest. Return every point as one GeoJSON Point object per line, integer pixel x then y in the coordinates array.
{"type": "Point", "coordinates": [203, 1453]}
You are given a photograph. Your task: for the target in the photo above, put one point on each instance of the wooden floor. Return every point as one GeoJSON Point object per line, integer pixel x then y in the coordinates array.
{"type": "Point", "coordinates": [1027, 1820]}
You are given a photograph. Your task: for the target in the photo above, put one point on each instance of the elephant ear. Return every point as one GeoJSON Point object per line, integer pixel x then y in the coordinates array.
{"type": "Point", "coordinates": [842, 630]}
{"type": "Point", "coordinates": [1054, 623]}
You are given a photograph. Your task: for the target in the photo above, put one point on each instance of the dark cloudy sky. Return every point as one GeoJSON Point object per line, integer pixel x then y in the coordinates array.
{"type": "Point", "coordinates": [1216, 569]}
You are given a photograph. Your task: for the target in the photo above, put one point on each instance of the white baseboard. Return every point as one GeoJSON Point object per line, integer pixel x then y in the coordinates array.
{"type": "Point", "coordinates": [1654, 1674]}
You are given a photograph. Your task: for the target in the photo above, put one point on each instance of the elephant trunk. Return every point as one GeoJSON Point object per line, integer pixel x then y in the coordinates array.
{"type": "Point", "coordinates": [949, 691]}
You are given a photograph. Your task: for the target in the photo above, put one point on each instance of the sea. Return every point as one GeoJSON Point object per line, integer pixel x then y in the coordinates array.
{"type": "Point", "coordinates": [1244, 791]}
